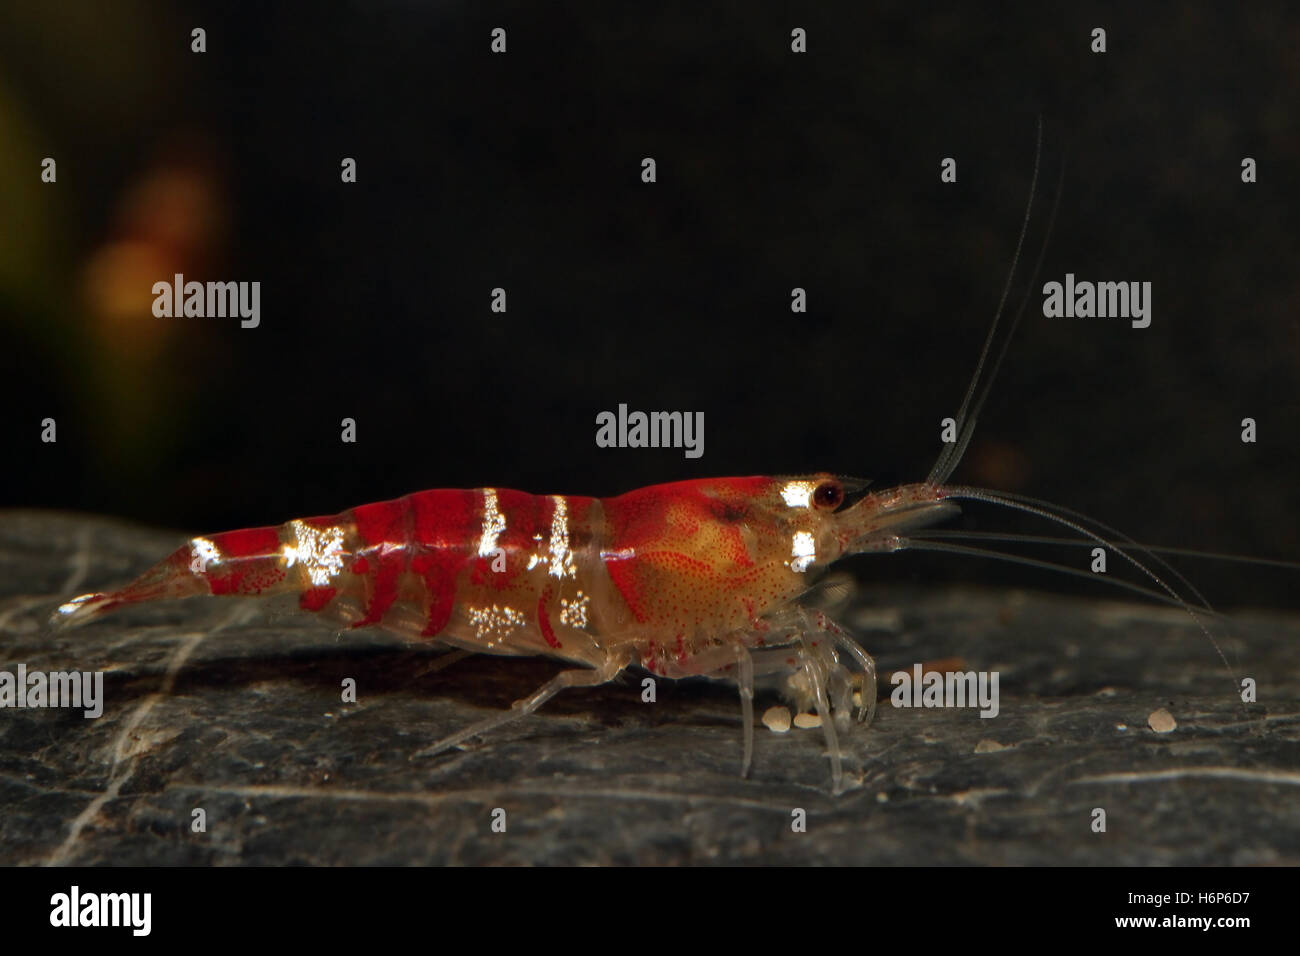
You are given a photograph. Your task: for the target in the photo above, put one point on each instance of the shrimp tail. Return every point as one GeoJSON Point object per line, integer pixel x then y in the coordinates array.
{"type": "Point", "coordinates": [254, 561]}
{"type": "Point", "coordinates": [167, 578]}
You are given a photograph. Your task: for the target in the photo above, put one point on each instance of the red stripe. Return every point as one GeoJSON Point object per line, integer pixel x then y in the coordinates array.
{"type": "Point", "coordinates": [446, 529]}
{"type": "Point", "coordinates": [389, 566]}
{"type": "Point", "coordinates": [446, 518]}
{"type": "Point", "coordinates": [628, 581]}
{"type": "Point", "coordinates": [313, 599]}
{"type": "Point", "coordinates": [248, 543]}
{"type": "Point", "coordinates": [249, 561]}
{"type": "Point", "coordinates": [384, 521]}
{"type": "Point", "coordinates": [548, 632]}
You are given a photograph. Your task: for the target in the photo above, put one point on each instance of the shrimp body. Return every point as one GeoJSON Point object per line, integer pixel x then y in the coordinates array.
{"type": "Point", "coordinates": [496, 571]}
{"type": "Point", "coordinates": [681, 579]}
{"type": "Point", "coordinates": [663, 570]}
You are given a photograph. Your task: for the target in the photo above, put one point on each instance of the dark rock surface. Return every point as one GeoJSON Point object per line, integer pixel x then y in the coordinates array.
{"type": "Point", "coordinates": [234, 707]}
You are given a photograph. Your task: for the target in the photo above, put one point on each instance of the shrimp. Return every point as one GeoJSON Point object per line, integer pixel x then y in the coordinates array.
{"type": "Point", "coordinates": [705, 577]}
{"type": "Point", "coordinates": [693, 578]}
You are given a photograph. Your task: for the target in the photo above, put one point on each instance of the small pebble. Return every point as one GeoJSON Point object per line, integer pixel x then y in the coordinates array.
{"type": "Point", "coordinates": [807, 721]}
{"type": "Point", "coordinates": [1121, 727]}
{"type": "Point", "coordinates": [1161, 721]}
{"type": "Point", "coordinates": [987, 746]}
{"type": "Point", "coordinates": [777, 720]}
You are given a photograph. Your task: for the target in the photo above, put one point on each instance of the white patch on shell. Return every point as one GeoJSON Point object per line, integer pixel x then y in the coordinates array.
{"type": "Point", "coordinates": [803, 551]}
{"type": "Point", "coordinates": [562, 563]}
{"type": "Point", "coordinates": [798, 494]}
{"type": "Point", "coordinates": [318, 550]}
{"type": "Point", "coordinates": [494, 524]}
{"type": "Point", "coordinates": [574, 613]}
{"type": "Point", "coordinates": [203, 554]}
{"type": "Point", "coordinates": [491, 624]}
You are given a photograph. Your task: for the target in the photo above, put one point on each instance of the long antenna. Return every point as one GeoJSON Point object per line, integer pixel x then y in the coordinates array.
{"type": "Point", "coordinates": [967, 415]}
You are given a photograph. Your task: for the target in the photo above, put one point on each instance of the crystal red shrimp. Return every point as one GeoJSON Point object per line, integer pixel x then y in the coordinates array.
{"type": "Point", "coordinates": [694, 578]}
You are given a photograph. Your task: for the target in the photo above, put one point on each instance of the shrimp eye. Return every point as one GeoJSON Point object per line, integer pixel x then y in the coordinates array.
{"type": "Point", "coordinates": [828, 494]}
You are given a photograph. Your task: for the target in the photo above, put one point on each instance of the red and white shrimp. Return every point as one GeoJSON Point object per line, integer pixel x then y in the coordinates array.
{"type": "Point", "coordinates": [693, 578]}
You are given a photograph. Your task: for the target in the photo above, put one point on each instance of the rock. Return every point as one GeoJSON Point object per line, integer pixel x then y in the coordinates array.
{"type": "Point", "coordinates": [234, 707]}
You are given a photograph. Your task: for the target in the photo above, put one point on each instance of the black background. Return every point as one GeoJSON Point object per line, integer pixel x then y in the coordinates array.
{"type": "Point", "coordinates": [775, 170]}
{"type": "Point", "coordinates": [239, 904]}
